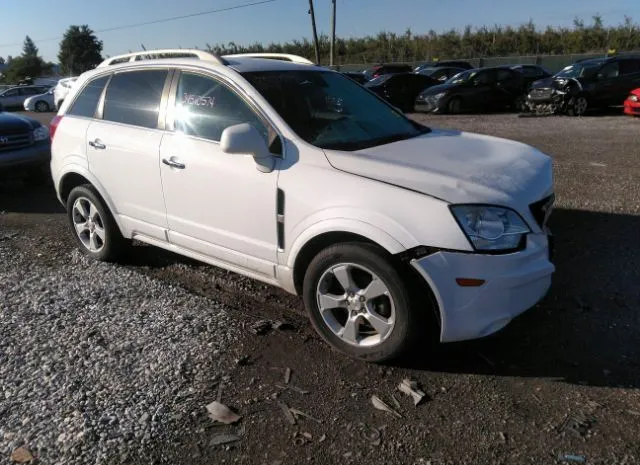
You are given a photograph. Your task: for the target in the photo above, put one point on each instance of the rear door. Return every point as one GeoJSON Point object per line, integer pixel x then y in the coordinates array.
{"type": "Point", "coordinates": [481, 93]}
{"type": "Point", "coordinates": [608, 85]}
{"type": "Point", "coordinates": [630, 70]}
{"type": "Point", "coordinates": [11, 98]}
{"type": "Point", "coordinates": [123, 148]}
{"type": "Point", "coordinates": [509, 85]}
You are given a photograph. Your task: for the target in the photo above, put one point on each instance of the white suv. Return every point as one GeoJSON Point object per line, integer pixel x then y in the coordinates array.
{"type": "Point", "coordinates": [299, 177]}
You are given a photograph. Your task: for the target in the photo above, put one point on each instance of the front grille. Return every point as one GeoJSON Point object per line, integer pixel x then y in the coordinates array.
{"type": "Point", "coordinates": [540, 94]}
{"type": "Point", "coordinates": [15, 141]}
{"type": "Point", "coordinates": [541, 209]}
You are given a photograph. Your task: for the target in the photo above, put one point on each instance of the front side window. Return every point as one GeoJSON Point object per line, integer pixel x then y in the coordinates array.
{"type": "Point", "coordinates": [11, 93]}
{"type": "Point", "coordinates": [133, 97]}
{"type": "Point", "coordinates": [505, 75]}
{"type": "Point", "coordinates": [87, 101]}
{"type": "Point", "coordinates": [205, 107]}
{"type": "Point", "coordinates": [331, 111]}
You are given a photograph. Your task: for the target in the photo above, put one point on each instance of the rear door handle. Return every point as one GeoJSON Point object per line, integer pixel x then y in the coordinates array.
{"type": "Point", "coordinates": [173, 164]}
{"type": "Point", "coordinates": [97, 144]}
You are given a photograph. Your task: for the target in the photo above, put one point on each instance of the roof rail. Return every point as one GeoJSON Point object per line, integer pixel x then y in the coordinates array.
{"type": "Point", "coordinates": [273, 56]}
{"type": "Point", "coordinates": [163, 53]}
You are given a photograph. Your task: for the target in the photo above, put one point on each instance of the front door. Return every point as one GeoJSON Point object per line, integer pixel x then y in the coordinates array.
{"type": "Point", "coordinates": [217, 204]}
{"type": "Point", "coordinates": [124, 150]}
{"type": "Point", "coordinates": [607, 86]}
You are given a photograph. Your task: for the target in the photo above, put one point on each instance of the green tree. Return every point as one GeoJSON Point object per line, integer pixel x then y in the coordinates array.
{"type": "Point", "coordinates": [80, 50]}
{"type": "Point", "coordinates": [2, 61]}
{"type": "Point", "coordinates": [29, 49]}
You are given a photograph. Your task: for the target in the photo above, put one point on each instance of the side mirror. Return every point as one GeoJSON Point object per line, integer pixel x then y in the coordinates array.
{"type": "Point", "coordinates": [244, 139]}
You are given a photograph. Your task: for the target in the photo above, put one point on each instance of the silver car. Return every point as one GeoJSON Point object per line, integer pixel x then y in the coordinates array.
{"type": "Point", "coordinates": [15, 96]}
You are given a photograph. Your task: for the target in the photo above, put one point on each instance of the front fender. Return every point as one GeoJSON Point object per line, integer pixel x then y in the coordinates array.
{"type": "Point", "coordinates": [393, 241]}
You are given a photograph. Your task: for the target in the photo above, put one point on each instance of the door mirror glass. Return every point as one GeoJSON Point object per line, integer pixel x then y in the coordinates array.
{"type": "Point", "coordinates": [245, 139]}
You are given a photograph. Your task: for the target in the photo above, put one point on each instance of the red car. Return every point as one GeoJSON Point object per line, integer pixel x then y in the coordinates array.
{"type": "Point", "coordinates": [632, 103]}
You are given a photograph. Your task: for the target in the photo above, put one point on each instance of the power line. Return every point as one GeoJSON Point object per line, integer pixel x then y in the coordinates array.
{"type": "Point", "coordinates": [156, 21]}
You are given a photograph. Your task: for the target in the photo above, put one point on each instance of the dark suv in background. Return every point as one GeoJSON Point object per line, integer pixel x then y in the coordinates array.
{"type": "Point", "coordinates": [595, 83]}
{"type": "Point", "coordinates": [390, 68]}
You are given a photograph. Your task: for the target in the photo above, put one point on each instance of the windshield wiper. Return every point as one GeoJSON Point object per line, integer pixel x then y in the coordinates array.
{"type": "Point", "coordinates": [364, 144]}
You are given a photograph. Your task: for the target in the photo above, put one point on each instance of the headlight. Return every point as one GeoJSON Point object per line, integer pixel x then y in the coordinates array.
{"type": "Point", "coordinates": [439, 96]}
{"type": "Point", "coordinates": [491, 228]}
{"type": "Point", "coordinates": [41, 133]}
{"type": "Point", "coordinates": [633, 98]}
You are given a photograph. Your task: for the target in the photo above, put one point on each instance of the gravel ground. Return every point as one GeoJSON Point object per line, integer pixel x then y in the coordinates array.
{"type": "Point", "coordinates": [563, 380]}
{"type": "Point", "coordinates": [99, 362]}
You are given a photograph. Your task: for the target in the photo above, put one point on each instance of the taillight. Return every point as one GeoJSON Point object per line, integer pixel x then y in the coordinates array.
{"type": "Point", "coordinates": [54, 125]}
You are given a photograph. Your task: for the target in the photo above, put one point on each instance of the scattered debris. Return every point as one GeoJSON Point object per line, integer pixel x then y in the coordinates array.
{"type": "Point", "coordinates": [577, 424]}
{"type": "Point", "coordinates": [6, 236]}
{"type": "Point", "coordinates": [410, 387]}
{"type": "Point", "coordinates": [262, 327]}
{"type": "Point", "coordinates": [287, 413]}
{"type": "Point", "coordinates": [243, 361]}
{"type": "Point", "coordinates": [21, 455]}
{"type": "Point", "coordinates": [307, 435]}
{"type": "Point", "coordinates": [503, 437]}
{"type": "Point", "coordinates": [372, 435]}
{"type": "Point", "coordinates": [323, 438]}
{"type": "Point", "coordinates": [395, 401]}
{"type": "Point", "coordinates": [222, 413]}
{"type": "Point", "coordinates": [634, 413]}
{"type": "Point", "coordinates": [287, 375]}
{"type": "Point", "coordinates": [219, 439]}
{"type": "Point", "coordinates": [219, 396]}
{"type": "Point", "coordinates": [381, 405]}
{"type": "Point", "coordinates": [293, 388]}
{"type": "Point", "coordinates": [573, 458]}
{"type": "Point", "coordinates": [298, 413]}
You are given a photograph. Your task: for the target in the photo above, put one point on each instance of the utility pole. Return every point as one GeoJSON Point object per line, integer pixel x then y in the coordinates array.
{"type": "Point", "coordinates": [315, 33]}
{"type": "Point", "coordinates": [333, 34]}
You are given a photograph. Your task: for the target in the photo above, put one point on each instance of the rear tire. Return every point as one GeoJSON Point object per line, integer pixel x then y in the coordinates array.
{"type": "Point", "coordinates": [42, 106]}
{"type": "Point", "coordinates": [359, 303]}
{"type": "Point", "coordinates": [95, 231]}
{"type": "Point", "coordinates": [454, 106]}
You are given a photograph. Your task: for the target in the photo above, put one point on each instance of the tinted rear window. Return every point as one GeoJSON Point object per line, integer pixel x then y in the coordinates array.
{"type": "Point", "coordinates": [87, 101]}
{"type": "Point", "coordinates": [134, 98]}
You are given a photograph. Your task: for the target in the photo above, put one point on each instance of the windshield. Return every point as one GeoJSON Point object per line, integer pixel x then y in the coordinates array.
{"type": "Point", "coordinates": [462, 77]}
{"type": "Point", "coordinates": [579, 70]}
{"type": "Point", "coordinates": [331, 111]}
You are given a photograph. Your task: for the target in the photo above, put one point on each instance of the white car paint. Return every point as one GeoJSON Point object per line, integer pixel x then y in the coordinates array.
{"type": "Point", "coordinates": [61, 90]}
{"type": "Point", "coordinates": [222, 210]}
{"type": "Point", "coordinates": [32, 103]}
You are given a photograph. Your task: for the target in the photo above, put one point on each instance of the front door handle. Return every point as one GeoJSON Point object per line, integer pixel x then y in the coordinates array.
{"type": "Point", "coordinates": [97, 144]}
{"type": "Point", "coordinates": [173, 164]}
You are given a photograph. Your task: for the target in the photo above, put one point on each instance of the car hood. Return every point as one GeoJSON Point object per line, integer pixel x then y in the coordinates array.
{"type": "Point", "coordinates": [11, 123]}
{"type": "Point", "coordinates": [456, 167]}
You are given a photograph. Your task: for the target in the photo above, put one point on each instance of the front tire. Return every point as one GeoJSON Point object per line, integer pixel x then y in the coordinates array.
{"type": "Point", "coordinates": [578, 106]}
{"type": "Point", "coordinates": [92, 225]}
{"type": "Point", "coordinates": [454, 106]}
{"type": "Point", "coordinates": [358, 302]}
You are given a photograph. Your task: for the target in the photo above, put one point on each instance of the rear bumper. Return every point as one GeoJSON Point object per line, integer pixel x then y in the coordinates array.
{"type": "Point", "coordinates": [513, 283]}
{"type": "Point", "coordinates": [38, 154]}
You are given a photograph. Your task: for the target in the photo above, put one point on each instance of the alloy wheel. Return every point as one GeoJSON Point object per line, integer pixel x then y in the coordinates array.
{"type": "Point", "coordinates": [355, 304]}
{"type": "Point", "coordinates": [88, 224]}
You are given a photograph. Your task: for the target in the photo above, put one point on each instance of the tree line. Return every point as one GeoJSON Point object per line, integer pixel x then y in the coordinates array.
{"type": "Point", "coordinates": [80, 50]}
{"type": "Point", "coordinates": [480, 42]}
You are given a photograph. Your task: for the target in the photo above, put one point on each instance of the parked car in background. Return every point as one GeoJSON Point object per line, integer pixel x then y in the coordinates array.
{"type": "Point", "coordinates": [40, 103]}
{"type": "Point", "coordinates": [632, 103]}
{"type": "Point", "coordinates": [360, 78]}
{"type": "Point", "coordinates": [532, 73]}
{"type": "Point", "coordinates": [475, 90]}
{"type": "Point", "coordinates": [445, 64]}
{"type": "Point", "coordinates": [62, 89]}
{"type": "Point", "coordinates": [24, 147]}
{"type": "Point", "coordinates": [400, 89]}
{"type": "Point", "coordinates": [15, 96]}
{"type": "Point", "coordinates": [380, 70]}
{"type": "Point", "coordinates": [596, 83]}
{"type": "Point", "coordinates": [391, 231]}
{"type": "Point", "coordinates": [440, 74]}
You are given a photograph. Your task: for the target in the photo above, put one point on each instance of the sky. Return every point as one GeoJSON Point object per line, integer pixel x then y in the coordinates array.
{"type": "Point", "coordinates": [278, 21]}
